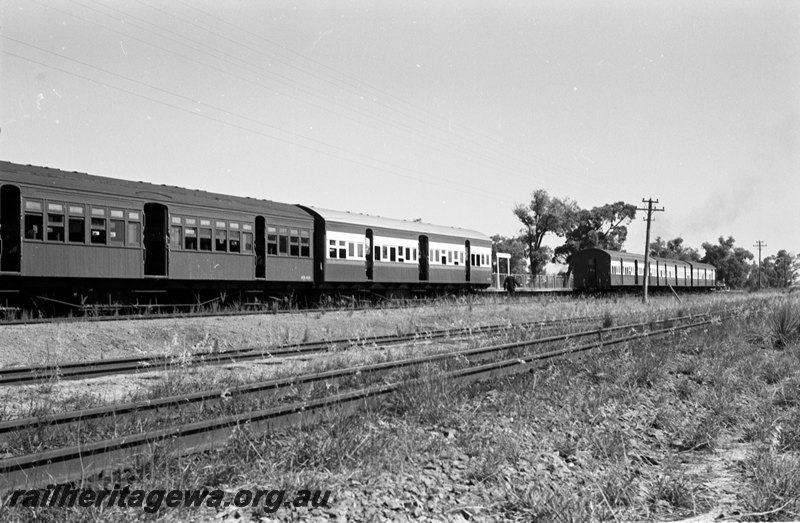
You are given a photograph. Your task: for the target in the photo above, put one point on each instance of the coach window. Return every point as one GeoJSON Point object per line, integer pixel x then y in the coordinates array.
{"type": "Point", "coordinates": [272, 240]}
{"type": "Point", "coordinates": [392, 253]}
{"type": "Point", "coordinates": [331, 249]}
{"type": "Point", "coordinates": [221, 236]}
{"type": "Point", "coordinates": [294, 242]}
{"type": "Point", "coordinates": [205, 236]}
{"type": "Point", "coordinates": [98, 226]}
{"type": "Point", "coordinates": [233, 241]}
{"type": "Point", "coordinates": [176, 233]}
{"type": "Point", "coordinates": [234, 238]}
{"type": "Point", "coordinates": [360, 250]}
{"type": "Point", "coordinates": [377, 253]}
{"type": "Point", "coordinates": [283, 241]}
{"type": "Point", "coordinates": [400, 257]}
{"type": "Point", "coordinates": [305, 244]}
{"type": "Point", "coordinates": [190, 234]}
{"type": "Point", "coordinates": [33, 220]}
{"type": "Point", "coordinates": [77, 224]}
{"type": "Point", "coordinates": [351, 249]}
{"type": "Point", "coordinates": [55, 222]}
{"type": "Point", "coordinates": [247, 239]}
{"type": "Point", "coordinates": [190, 239]}
{"type": "Point", "coordinates": [134, 229]}
{"type": "Point", "coordinates": [116, 227]}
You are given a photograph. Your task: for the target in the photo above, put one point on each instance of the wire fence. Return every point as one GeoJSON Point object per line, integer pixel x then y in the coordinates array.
{"type": "Point", "coordinates": [538, 282]}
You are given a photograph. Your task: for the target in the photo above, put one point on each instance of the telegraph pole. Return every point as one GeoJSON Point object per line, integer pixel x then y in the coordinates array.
{"type": "Point", "coordinates": [650, 210]}
{"type": "Point", "coordinates": [759, 244]}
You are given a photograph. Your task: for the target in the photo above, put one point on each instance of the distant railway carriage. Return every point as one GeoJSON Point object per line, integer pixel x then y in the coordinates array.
{"type": "Point", "coordinates": [66, 235]}
{"type": "Point", "coordinates": [599, 269]}
{"type": "Point", "coordinates": [370, 252]}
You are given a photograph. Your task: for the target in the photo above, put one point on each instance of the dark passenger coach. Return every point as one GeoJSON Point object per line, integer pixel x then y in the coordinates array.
{"type": "Point", "coordinates": [599, 269]}
{"type": "Point", "coordinates": [83, 234]}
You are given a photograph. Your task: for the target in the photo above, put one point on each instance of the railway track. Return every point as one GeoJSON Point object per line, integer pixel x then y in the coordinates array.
{"type": "Point", "coordinates": [84, 460]}
{"type": "Point", "coordinates": [148, 315]}
{"type": "Point", "coordinates": [9, 315]}
{"type": "Point", "coordinates": [97, 368]}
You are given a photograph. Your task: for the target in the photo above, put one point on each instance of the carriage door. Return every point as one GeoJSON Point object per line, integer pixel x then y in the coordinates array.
{"type": "Point", "coordinates": [261, 247]}
{"type": "Point", "coordinates": [369, 254]}
{"type": "Point", "coordinates": [155, 240]}
{"type": "Point", "coordinates": [466, 261]}
{"type": "Point", "coordinates": [423, 258]}
{"type": "Point", "coordinates": [10, 217]}
{"type": "Point", "coordinates": [591, 273]}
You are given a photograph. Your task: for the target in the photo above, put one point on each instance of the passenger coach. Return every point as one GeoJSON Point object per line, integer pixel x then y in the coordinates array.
{"type": "Point", "coordinates": [599, 269]}
{"type": "Point", "coordinates": [357, 251]}
{"type": "Point", "coordinates": [77, 238]}
{"type": "Point", "coordinates": [67, 231]}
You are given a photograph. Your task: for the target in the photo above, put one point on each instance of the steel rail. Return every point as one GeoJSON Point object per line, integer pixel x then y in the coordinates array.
{"type": "Point", "coordinates": [82, 461]}
{"type": "Point", "coordinates": [185, 315]}
{"type": "Point", "coordinates": [280, 384]}
{"type": "Point", "coordinates": [386, 305]}
{"type": "Point", "coordinates": [96, 368]}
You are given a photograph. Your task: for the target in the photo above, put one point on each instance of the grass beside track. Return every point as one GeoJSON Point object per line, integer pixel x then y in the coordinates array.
{"type": "Point", "coordinates": [635, 433]}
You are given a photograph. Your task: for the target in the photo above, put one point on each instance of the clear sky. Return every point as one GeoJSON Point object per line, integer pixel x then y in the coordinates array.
{"type": "Point", "coordinates": [449, 111]}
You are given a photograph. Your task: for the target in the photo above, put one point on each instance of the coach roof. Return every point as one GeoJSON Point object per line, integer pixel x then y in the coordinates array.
{"type": "Point", "coordinates": [638, 257]}
{"type": "Point", "coordinates": [44, 177]}
{"type": "Point", "coordinates": [366, 220]}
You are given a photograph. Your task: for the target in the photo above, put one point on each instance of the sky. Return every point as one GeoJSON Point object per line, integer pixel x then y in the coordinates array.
{"type": "Point", "coordinates": [448, 111]}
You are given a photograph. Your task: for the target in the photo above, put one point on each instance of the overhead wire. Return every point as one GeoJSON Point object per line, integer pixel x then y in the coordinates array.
{"type": "Point", "coordinates": [387, 168]}
{"type": "Point", "coordinates": [423, 115]}
{"type": "Point", "coordinates": [428, 140]}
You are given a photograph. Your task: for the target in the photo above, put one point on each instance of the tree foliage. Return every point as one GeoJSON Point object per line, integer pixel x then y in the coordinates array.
{"type": "Point", "coordinates": [604, 227]}
{"type": "Point", "coordinates": [673, 250]}
{"type": "Point", "coordinates": [731, 262]}
{"type": "Point", "coordinates": [541, 216]}
{"type": "Point", "coordinates": [780, 270]}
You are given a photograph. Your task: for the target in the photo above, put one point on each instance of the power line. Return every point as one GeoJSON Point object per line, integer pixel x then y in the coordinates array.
{"type": "Point", "coordinates": [383, 121]}
{"type": "Point", "coordinates": [452, 186]}
{"type": "Point", "coordinates": [472, 152]}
